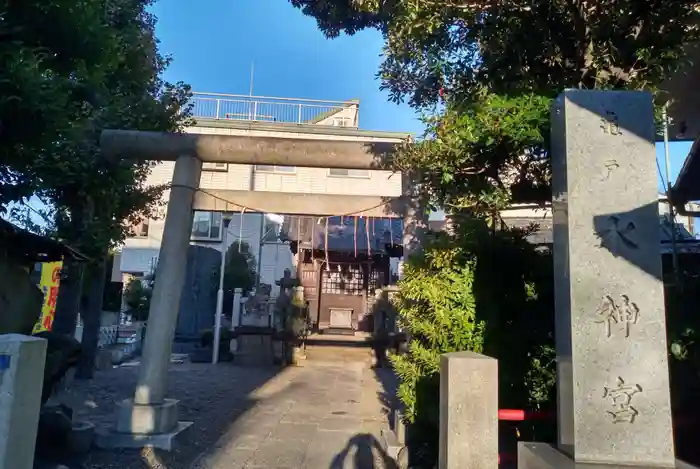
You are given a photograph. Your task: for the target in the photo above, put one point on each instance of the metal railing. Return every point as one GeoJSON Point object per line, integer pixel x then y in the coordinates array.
{"type": "Point", "coordinates": [267, 109]}
{"type": "Point", "coordinates": [108, 336]}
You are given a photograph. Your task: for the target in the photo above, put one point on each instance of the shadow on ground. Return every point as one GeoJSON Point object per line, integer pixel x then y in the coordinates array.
{"type": "Point", "coordinates": [327, 413]}
{"type": "Point", "coordinates": [211, 396]}
{"type": "Point", "coordinates": [389, 388]}
{"type": "Point", "coordinates": [363, 451]}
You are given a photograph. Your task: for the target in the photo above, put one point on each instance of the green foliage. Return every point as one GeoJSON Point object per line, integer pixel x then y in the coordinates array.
{"type": "Point", "coordinates": [437, 307]}
{"type": "Point", "coordinates": [463, 295]}
{"type": "Point", "coordinates": [514, 291]}
{"type": "Point", "coordinates": [538, 45]}
{"type": "Point", "coordinates": [206, 338]}
{"type": "Point", "coordinates": [239, 272]}
{"type": "Point", "coordinates": [486, 72]}
{"type": "Point", "coordinates": [67, 71]}
{"type": "Point", "coordinates": [137, 297]}
{"type": "Point", "coordinates": [482, 155]}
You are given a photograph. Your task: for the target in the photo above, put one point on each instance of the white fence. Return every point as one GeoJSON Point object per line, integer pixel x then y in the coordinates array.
{"type": "Point", "coordinates": [267, 109]}
{"type": "Point", "coordinates": [110, 335]}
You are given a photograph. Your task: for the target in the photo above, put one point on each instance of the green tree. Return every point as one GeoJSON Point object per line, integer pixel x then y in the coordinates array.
{"type": "Point", "coordinates": [541, 46]}
{"type": "Point", "coordinates": [482, 155]}
{"type": "Point", "coordinates": [68, 71]}
{"type": "Point", "coordinates": [137, 296]}
{"type": "Point", "coordinates": [437, 308]}
{"type": "Point", "coordinates": [239, 272]}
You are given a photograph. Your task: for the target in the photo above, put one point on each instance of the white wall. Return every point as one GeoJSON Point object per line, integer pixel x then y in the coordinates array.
{"type": "Point", "coordinates": [138, 260]}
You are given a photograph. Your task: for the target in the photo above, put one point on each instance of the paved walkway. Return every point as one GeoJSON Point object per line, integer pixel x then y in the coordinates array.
{"type": "Point", "coordinates": [312, 417]}
{"type": "Point", "coordinates": [324, 415]}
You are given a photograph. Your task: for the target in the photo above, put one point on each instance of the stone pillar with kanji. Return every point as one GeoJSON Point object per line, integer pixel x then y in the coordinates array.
{"type": "Point", "coordinates": [614, 405]}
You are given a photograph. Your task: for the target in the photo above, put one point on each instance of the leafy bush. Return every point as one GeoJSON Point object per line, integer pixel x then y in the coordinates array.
{"type": "Point", "coordinates": [436, 305]}
{"type": "Point", "coordinates": [239, 272]}
{"type": "Point", "coordinates": [206, 338]}
{"type": "Point", "coordinates": [137, 297]}
{"type": "Point", "coordinates": [295, 320]}
{"type": "Point", "coordinates": [480, 291]}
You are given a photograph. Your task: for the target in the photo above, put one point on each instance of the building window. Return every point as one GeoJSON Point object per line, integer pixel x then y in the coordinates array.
{"type": "Point", "coordinates": [206, 226]}
{"type": "Point", "coordinates": [342, 122]}
{"type": "Point", "coordinates": [264, 168]}
{"type": "Point", "coordinates": [142, 229]}
{"type": "Point", "coordinates": [352, 173]}
{"type": "Point", "coordinates": [272, 228]}
{"type": "Point", "coordinates": [215, 167]}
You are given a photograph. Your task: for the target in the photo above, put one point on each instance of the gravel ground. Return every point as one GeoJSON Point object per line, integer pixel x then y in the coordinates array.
{"type": "Point", "coordinates": [323, 415]}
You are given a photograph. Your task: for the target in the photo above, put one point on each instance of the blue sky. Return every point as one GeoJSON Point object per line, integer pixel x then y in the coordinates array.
{"type": "Point", "coordinates": [678, 152]}
{"type": "Point", "coordinates": [213, 44]}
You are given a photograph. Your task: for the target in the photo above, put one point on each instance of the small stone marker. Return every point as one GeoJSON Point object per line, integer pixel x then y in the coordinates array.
{"type": "Point", "coordinates": [22, 360]}
{"type": "Point", "coordinates": [612, 369]}
{"type": "Point", "coordinates": [468, 411]}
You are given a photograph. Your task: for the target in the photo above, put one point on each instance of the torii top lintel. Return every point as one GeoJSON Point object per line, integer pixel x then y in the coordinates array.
{"type": "Point", "coordinates": [314, 153]}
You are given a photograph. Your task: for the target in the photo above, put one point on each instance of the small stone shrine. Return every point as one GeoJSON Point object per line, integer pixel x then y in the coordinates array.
{"type": "Point", "coordinates": [612, 372]}
{"type": "Point", "coordinates": [257, 310]}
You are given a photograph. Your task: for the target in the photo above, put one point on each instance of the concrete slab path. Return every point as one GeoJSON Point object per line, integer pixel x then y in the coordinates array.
{"type": "Point", "coordinates": [311, 417]}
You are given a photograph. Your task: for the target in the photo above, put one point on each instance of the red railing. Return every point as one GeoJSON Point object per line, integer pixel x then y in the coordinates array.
{"type": "Point", "coordinates": [513, 415]}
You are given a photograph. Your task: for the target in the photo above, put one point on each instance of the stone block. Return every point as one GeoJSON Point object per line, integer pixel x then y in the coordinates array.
{"type": "Point", "coordinates": [612, 370]}
{"type": "Point", "coordinates": [107, 438]}
{"type": "Point", "coordinates": [546, 456]}
{"type": "Point", "coordinates": [390, 443]}
{"type": "Point", "coordinates": [103, 361]}
{"type": "Point", "coordinates": [399, 427]}
{"type": "Point", "coordinates": [468, 411]}
{"type": "Point", "coordinates": [22, 360]}
{"type": "Point", "coordinates": [146, 419]}
{"type": "Point", "coordinates": [255, 350]}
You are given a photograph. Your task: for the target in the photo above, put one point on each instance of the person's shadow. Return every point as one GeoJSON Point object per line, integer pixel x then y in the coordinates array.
{"type": "Point", "coordinates": [364, 457]}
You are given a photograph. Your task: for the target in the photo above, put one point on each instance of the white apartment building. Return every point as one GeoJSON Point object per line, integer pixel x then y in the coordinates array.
{"type": "Point", "coordinates": [262, 117]}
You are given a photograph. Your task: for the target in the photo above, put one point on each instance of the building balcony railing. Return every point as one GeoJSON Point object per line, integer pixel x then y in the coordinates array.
{"type": "Point", "coordinates": [266, 109]}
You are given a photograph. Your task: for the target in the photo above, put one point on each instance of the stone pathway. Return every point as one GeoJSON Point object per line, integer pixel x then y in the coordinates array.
{"type": "Point", "coordinates": [324, 415]}
{"type": "Point", "coordinates": [310, 417]}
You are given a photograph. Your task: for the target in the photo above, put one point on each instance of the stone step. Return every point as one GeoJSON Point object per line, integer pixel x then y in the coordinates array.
{"type": "Point", "coordinates": [338, 354]}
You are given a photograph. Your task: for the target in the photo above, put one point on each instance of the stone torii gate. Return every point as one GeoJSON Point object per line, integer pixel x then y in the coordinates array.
{"type": "Point", "coordinates": [150, 418]}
